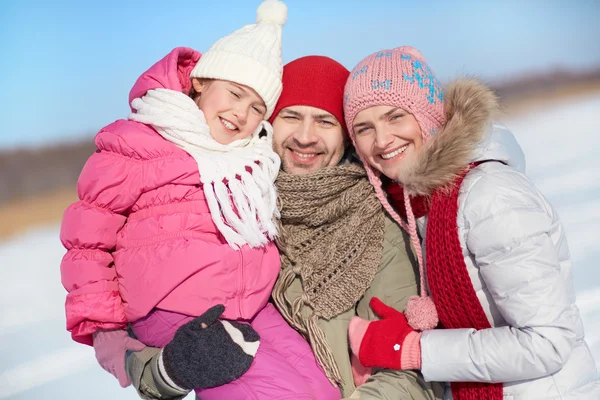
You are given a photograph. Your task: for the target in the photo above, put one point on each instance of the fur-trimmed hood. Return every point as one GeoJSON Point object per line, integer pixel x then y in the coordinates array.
{"type": "Point", "coordinates": [469, 135]}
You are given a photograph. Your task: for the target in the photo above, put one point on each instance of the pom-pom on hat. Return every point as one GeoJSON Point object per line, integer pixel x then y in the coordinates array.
{"type": "Point", "coordinates": [250, 56]}
{"type": "Point", "coordinates": [399, 78]}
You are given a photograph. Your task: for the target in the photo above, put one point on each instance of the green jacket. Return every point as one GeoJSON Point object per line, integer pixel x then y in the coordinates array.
{"type": "Point", "coordinates": [394, 283]}
{"type": "Point", "coordinates": [142, 368]}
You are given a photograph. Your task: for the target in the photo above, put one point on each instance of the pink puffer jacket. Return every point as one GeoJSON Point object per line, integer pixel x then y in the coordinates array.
{"type": "Point", "coordinates": [142, 236]}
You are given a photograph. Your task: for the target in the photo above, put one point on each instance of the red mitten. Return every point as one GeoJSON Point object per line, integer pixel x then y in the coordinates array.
{"type": "Point", "coordinates": [387, 343]}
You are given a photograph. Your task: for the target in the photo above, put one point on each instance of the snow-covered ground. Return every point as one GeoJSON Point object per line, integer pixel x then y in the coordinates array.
{"type": "Point", "coordinates": [38, 359]}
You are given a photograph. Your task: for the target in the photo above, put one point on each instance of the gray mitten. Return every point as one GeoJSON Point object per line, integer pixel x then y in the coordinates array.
{"type": "Point", "coordinates": [208, 352]}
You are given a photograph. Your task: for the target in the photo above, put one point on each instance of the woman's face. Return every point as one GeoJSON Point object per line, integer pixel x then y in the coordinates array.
{"type": "Point", "coordinates": [385, 136]}
{"type": "Point", "coordinates": [232, 111]}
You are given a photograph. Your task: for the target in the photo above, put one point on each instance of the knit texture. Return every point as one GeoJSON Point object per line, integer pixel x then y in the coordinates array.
{"type": "Point", "coordinates": [237, 178]}
{"type": "Point", "coordinates": [411, 351]}
{"type": "Point", "coordinates": [418, 204]}
{"type": "Point", "coordinates": [314, 81]}
{"type": "Point", "coordinates": [111, 347]}
{"type": "Point", "coordinates": [250, 56]}
{"type": "Point", "coordinates": [382, 343]}
{"type": "Point", "coordinates": [400, 78]}
{"type": "Point", "coordinates": [451, 288]}
{"type": "Point", "coordinates": [420, 311]}
{"type": "Point", "coordinates": [223, 351]}
{"type": "Point", "coordinates": [331, 236]}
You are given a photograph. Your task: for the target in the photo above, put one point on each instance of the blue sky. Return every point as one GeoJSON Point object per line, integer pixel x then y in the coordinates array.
{"type": "Point", "coordinates": [67, 66]}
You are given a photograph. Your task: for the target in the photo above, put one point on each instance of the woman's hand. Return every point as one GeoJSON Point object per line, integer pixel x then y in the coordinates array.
{"type": "Point", "coordinates": [386, 343]}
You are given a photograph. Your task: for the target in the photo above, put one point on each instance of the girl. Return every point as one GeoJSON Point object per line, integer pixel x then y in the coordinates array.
{"type": "Point", "coordinates": [175, 221]}
{"type": "Point", "coordinates": [498, 265]}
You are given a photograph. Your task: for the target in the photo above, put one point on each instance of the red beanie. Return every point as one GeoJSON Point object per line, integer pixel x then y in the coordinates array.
{"type": "Point", "coordinates": [314, 81]}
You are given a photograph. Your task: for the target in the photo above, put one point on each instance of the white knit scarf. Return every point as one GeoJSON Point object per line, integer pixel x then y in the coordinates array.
{"type": "Point", "coordinates": [244, 208]}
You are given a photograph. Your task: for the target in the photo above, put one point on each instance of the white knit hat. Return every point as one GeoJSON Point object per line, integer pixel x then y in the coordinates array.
{"type": "Point", "coordinates": [250, 56]}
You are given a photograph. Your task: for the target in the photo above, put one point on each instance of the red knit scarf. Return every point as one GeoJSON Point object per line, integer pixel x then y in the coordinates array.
{"type": "Point", "coordinates": [419, 204]}
{"type": "Point", "coordinates": [451, 288]}
{"type": "Point", "coordinates": [449, 282]}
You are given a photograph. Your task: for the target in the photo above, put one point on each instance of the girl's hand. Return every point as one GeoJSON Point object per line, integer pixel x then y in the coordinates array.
{"type": "Point", "coordinates": [110, 347]}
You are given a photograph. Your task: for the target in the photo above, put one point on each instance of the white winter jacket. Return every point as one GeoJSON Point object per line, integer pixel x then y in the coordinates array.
{"type": "Point", "coordinates": [516, 253]}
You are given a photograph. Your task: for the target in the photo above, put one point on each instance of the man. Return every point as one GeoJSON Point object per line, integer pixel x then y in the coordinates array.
{"type": "Point", "coordinates": [338, 248]}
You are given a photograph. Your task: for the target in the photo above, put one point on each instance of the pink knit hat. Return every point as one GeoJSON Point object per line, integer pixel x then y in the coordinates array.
{"type": "Point", "coordinates": [400, 78]}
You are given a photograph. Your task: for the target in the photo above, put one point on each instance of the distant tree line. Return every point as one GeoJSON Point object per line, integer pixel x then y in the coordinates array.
{"type": "Point", "coordinates": [32, 172]}
{"type": "Point", "coordinates": [535, 83]}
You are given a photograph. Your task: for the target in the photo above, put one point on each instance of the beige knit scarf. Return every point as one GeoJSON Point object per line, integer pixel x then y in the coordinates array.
{"type": "Point", "coordinates": [331, 236]}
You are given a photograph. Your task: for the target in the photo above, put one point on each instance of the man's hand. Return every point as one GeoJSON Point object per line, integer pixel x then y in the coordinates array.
{"type": "Point", "coordinates": [208, 352]}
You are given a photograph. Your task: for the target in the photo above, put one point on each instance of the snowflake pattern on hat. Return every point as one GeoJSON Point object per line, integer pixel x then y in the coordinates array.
{"type": "Point", "coordinates": [423, 75]}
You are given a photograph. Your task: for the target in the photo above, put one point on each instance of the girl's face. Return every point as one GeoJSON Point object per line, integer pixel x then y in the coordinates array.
{"type": "Point", "coordinates": [385, 136]}
{"type": "Point", "coordinates": [232, 111]}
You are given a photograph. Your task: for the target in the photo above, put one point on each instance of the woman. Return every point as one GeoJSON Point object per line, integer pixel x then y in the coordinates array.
{"type": "Point", "coordinates": [498, 265]}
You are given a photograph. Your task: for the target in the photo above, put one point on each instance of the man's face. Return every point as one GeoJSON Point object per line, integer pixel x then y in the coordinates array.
{"type": "Point", "coordinates": [307, 139]}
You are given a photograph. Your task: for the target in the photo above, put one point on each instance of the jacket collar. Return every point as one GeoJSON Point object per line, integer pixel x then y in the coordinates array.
{"type": "Point", "coordinates": [469, 107]}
